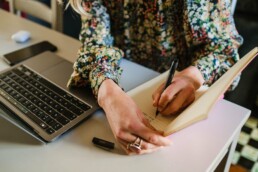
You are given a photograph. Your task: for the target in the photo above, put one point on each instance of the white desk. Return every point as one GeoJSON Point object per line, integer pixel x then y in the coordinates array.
{"type": "Point", "coordinates": [197, 148]}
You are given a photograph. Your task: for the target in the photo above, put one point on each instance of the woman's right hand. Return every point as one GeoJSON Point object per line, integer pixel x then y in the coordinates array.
{"type": "Point", "coordinates": [127, 121]}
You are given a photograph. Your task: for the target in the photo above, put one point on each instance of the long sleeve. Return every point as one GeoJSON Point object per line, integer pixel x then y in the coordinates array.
{"type": "Point", "coordinates": [97, 58]}
{"type": "Point", "coordinates": [214, 33]}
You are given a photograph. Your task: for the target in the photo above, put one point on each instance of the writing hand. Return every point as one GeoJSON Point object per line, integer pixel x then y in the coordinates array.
{"type": "Point", "coordinates": [179, 94]}
{"type": "Point", "coordinates": [127, 121]}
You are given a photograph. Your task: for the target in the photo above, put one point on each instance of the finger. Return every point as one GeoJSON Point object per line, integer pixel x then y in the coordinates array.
{"type": "Point", "coordinates": [145, 151]}
{"type": "Point", "coordinates": [124, 143]}
{"type": "Point", "coordinates": [124, 146]}
{"type": "Point", "coordinates": [156, 94]}
{"type": "Point", "coordinates": [189, 101]}
{"type": "Point", "coordinates": [145, 121]}
{"type": "Point", "coordinates": [151, 136]}
{"type": "Point", "coordinates": [130, 134]}
{"type": "Point", "coordinates": [144, 144]}
{"type": "Point", "coordinates": [142, 118]}
{"type": "Point", "coordinates": [145, 148]}
{"type": "Point", "coordinates": [168, 95]}
{"type": "Point", "coordinates": [130, 138]}
{"type": "Point", "coordinates": [185, 95]}
{"type": "Point", "coordinates": [127, 137]}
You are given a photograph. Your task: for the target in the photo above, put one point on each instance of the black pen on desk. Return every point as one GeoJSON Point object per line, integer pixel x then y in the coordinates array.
{"type": "Point", "coordinates": [103, 143]}
{"type": "Point", "coordinates": [171, 73]}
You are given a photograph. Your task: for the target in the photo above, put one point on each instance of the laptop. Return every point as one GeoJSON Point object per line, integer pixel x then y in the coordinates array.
{"type": "Point", "coordinates": [34, 96]}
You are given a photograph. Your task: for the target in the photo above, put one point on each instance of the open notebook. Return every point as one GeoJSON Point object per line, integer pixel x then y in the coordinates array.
{"type": "Point", "coordinates": [198, 110]}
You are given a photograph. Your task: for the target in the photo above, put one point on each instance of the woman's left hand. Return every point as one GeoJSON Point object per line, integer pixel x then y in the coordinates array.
{"type": "Point", "coordinates": [180, 93]}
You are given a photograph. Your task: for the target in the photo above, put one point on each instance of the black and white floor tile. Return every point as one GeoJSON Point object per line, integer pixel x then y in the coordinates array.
{"type": "Point", "coordinates": [246, 154]}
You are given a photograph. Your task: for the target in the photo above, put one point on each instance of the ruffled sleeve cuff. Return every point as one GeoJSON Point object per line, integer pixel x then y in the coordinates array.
{"type": "Point", "coordinates": [98, 75]}
{"type": "Point", "coordinates": [93, 72]}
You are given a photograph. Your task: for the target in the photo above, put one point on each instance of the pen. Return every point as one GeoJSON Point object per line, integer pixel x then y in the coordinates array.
{"type": "Point", "coordinates": [171, 73]}
{"type": "Point", "coordinates": [103, 143]}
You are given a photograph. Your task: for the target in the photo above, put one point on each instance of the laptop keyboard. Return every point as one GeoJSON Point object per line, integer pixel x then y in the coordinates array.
{"type": "Point", "coordinates": [44, 103]}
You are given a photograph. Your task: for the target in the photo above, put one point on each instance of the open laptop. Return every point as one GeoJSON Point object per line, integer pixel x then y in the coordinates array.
{"type": "Point", "coordinates": [34, 96]}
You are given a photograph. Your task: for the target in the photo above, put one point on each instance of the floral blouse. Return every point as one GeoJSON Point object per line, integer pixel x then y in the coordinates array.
{"type": "Point", "coordinates": [201, 33]}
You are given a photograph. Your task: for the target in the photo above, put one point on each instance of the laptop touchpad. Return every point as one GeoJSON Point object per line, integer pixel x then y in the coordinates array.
{"type": "Point", "coordinates": [59, 73]}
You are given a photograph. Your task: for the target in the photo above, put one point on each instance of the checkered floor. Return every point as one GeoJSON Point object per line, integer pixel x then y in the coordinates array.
{"type": "Point", "coordinates": [246, 154]}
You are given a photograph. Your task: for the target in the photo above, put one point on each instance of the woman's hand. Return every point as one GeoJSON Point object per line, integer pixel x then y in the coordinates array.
{"type": "Point", "coordinates": [127, 121]}
{"type": "Point", "coordinates": [180, 93]}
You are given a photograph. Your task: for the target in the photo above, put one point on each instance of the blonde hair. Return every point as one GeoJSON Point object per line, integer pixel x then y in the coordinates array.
{"type": "Point", "coordinates": [77, 6]}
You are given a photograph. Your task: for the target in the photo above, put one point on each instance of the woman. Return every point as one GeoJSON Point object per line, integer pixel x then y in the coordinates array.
{"type": "Point", "coordinates": [200, 33]}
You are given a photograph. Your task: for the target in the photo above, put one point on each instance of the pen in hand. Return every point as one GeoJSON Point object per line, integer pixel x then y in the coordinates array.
{"type": "Point", "coordinates": [171, 73]}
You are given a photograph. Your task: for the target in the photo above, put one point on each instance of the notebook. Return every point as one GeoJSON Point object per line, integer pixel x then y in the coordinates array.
{"type": "Point", "coordinates": [34, 96]}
